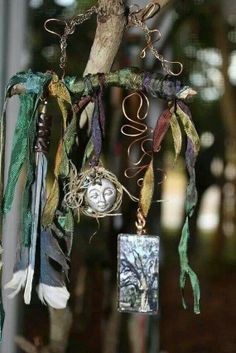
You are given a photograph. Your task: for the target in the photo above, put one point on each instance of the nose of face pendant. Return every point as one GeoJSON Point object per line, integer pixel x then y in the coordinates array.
{"type": "Point", "coordinates": [102, 198]}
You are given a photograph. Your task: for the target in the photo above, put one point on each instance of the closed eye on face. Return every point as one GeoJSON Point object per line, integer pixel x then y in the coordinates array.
{"type": "Point", "coordinates": [93, 194]}
{"type": "Point", "coordinates": [108, 192]}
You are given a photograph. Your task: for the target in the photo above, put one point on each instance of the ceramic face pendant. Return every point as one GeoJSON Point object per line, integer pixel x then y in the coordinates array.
{"type": "Point", "coordinates": [96, 192]}
{"type": "Point", "coordinates": [138, 273]}
{"type": "Point", "coordinates": [101, 195]}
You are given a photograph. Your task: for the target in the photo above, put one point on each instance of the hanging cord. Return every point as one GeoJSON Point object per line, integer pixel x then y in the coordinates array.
{"type": "Point", "coordinates": [137, 18]}
{"type": "Point", "coordinates": [69, 28]}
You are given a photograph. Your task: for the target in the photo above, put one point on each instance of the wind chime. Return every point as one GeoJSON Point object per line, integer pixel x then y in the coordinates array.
{"type": "Point", "coordinates": [48, 216]}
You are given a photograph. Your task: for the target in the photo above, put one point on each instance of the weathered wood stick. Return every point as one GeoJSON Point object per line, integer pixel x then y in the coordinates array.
{"type": "Point", "coordinates": [157, 85]}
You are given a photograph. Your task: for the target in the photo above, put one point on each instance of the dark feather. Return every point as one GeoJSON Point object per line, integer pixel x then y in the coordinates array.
{"type": "Point", "coordinates": [53, 267]}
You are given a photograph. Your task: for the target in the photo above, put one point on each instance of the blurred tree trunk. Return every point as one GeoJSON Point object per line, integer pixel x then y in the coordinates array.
{"type": "Point", "coordinates": [228, 112]}
{"type": "Point", "coordinates": [13, 28]}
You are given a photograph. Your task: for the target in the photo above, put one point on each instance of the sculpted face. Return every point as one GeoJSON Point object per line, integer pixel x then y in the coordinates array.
{"type": "Point", "coordinates": [102, 197]}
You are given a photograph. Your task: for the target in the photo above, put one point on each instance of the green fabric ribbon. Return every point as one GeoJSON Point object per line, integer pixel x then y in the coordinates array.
{"type": "Point", "coordinates": [2, 153]}
{"type": "Point", "coordinates": [186, 270]}
{"type": "Point", "coordinates": [193, 145]}
{"type": "Point", "coordinates": [23, 143]}
{"type": "Point", "coordinates": [19, 148]}
{"type": "Point", "coordinates": [181, 112]}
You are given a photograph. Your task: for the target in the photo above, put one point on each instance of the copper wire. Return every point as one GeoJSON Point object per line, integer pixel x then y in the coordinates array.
{"type": "Point", "coordinates": [63, 44]}
{"type": "Point", "coordinates": [69, 28]}
{"type": "Point", "coordinates": [140, 223]}
{"type": "Point", "coordinates": [142, 134]}
{"type": "Point", "coordinates": [137, 18]}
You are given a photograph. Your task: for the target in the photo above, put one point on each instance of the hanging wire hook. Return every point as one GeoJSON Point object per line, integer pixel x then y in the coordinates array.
{"type": "Point", "coordinates": [138, 18]}
{"type": "Point", "coordinates": [150, 10]}
{"type": "Point", "coordinates": [51, 20]}
{"type": "Point", "coordinates": [69, 28]}
{"type": "Point", "coordinates": [136, 13]}
{"type": "Point", "coordinates": [63, 41]}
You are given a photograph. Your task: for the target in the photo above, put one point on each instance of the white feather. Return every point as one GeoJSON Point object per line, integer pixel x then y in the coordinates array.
{"type": "Point", "coordinates": [56, 297]}
{"type": "Point", "coordinates": [16, 283]}
{"type": "Point", "coordinates": [28, 285]}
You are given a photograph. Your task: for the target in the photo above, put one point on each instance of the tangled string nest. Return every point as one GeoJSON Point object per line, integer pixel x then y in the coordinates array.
{"type": "Point", "coordinates": [76, 189]}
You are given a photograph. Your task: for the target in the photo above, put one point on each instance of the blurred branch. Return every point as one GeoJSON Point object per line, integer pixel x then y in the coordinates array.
{"type": "Point", "coordinates": [227, 103]}
{"type": "Point", "coordinates": [28, 347]}
{"type": "Point", "coordinates": [60, 324]}
{"type": "Point", "coordinates": [228, 113]}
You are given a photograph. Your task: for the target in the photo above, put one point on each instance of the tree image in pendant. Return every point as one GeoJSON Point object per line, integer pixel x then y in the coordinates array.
{"type": "Point", "coordinates": [138, 264]}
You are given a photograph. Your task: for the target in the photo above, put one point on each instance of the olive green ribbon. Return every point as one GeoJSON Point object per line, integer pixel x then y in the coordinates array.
{"type": "Point", "coordinates": [176, 134]}
{"type": "Point", "coordinates": [58, 90]}
{"type": "Point", "coordinates": [147, 190]}
{"type": "Point", "coordinates": [188, 126]}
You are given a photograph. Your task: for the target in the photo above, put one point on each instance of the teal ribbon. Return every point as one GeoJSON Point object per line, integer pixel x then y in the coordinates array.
{"type": "Point", "coordinates": [186, 270]}
{"type": "Point", "coordinates": [23, 143]}
{"type": "Point", "coordinates": [2, 153]}
{"type": "Point", "coordinates": [190, 203]}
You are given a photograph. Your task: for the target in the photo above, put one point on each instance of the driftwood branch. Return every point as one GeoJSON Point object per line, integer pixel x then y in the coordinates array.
{"type": "Point", "coordinates": [28, 347]}
{"type": "Point", "coordinates": [157, 85]}
{"type": "Point", "coordinates": [106, 43]}
{"type": "Point", "coordinates": [108, 38]}
{"type": "Point", "coordinates": [132, 79]}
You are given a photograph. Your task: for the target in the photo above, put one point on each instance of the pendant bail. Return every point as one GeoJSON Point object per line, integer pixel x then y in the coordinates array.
{"type": "Point", "coordinates": [140, 223]}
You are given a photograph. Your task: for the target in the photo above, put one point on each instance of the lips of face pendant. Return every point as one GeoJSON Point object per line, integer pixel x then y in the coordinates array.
{"type": "Point", "coordinates": [101, 196]}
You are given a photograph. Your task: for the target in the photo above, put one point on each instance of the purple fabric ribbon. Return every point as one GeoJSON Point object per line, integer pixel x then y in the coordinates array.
{"type": "Point", "coordinates": [98, 122]}
{"type": "Point", "coordinates": [96, 134]}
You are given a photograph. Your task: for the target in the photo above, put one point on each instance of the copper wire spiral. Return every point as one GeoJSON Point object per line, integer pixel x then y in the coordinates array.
{"type": "Point", "coordinates": [141, 134]}
{"type": "Point", "coordinates": [140, 223]}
